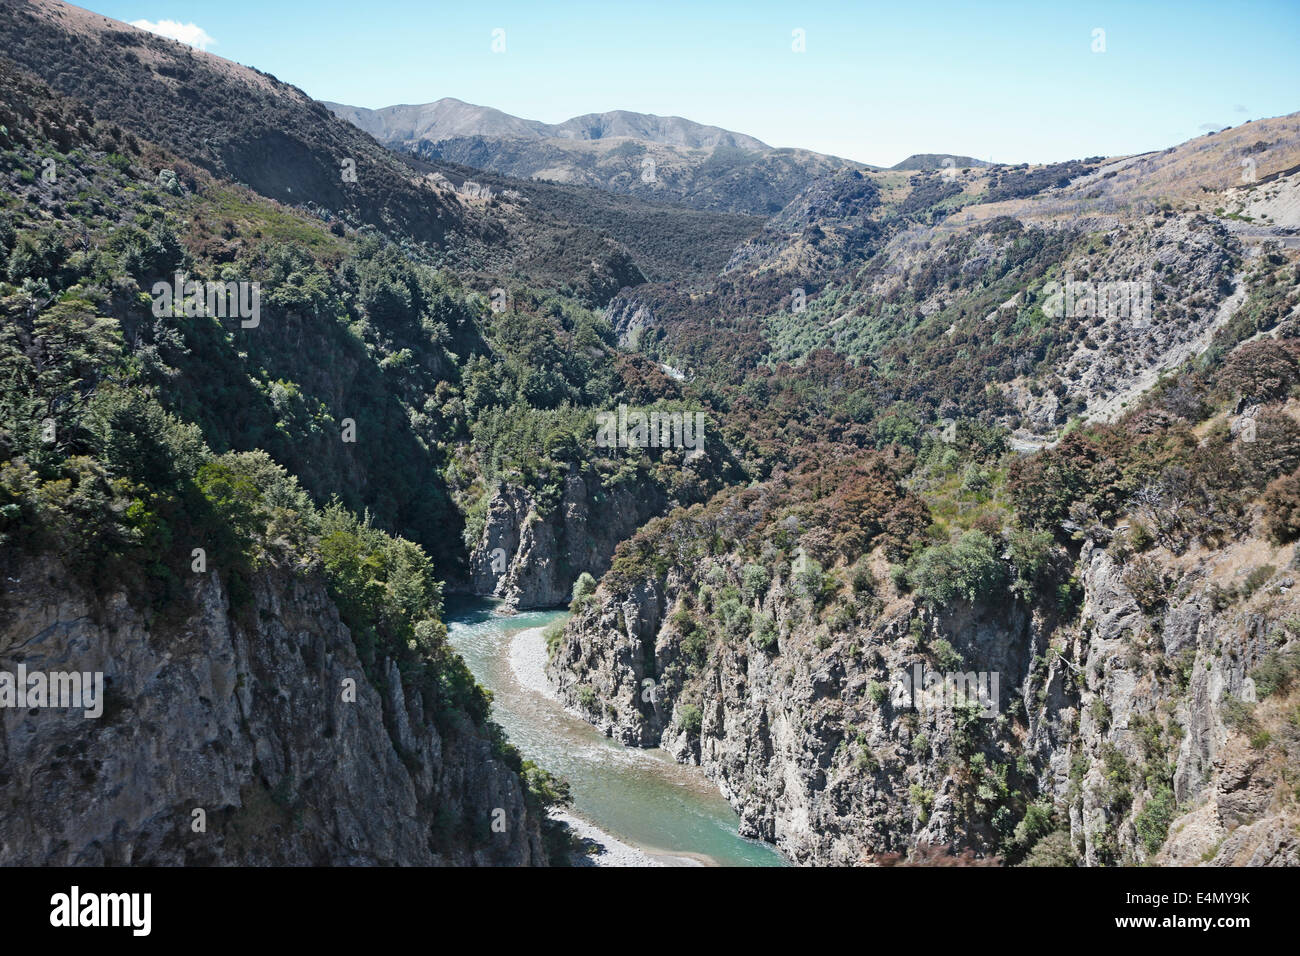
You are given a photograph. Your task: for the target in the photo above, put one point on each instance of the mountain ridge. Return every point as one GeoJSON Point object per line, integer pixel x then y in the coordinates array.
{"type": "Point", "coordinates": [450, 117]}
{"type": "Point", "coordinates": [662, 159]}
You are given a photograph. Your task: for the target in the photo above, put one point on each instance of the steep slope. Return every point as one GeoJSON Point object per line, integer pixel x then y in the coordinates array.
{"type": "Point", "coordinates": [285, 656]}
{"type": "Point", "coordinates": [229, 738]}
{"type": "Point", "coordinates": [938, 161]}
{"type": "Point", "coordinates": [243, 125]}
{"type": "Point", "coordinates": [1130, 586]}
{"type": "Point", "coordinates": [665, 242]}
{"type": "Point", "coordinates": [943, 282]}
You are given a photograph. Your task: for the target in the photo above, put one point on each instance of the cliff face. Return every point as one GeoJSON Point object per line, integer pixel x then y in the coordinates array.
{"type": "Point", "coordinates": [244, 717]}
{"type": "Point", "coordinates": [1165, 687]}
{"type": "Point", "coordinates": [1118, 723]}
{"type": "Point", "coordinates": [531, 560]}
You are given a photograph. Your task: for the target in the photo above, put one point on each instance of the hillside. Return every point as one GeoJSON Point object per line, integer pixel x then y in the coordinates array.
{"type": "Point", "coordinates": [942, 284]}
{"type": "Point", "coordinates": [308, 474]}
{"type": "Point", "coordinates": [248, 127]}
{"type": "Point", "coordinates": [938, 161]}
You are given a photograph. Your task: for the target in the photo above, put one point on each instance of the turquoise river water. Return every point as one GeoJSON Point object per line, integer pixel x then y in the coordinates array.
{"type": "Point", "coordinates": [642, 797]}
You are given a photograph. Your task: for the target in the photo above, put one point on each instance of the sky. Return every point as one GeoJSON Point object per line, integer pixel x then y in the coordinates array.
{"type": "Point", "coordinates": [1007, 82]}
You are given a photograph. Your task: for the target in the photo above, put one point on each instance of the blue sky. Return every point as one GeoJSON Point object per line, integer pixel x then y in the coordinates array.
{"type": "Point", "coordinates": [876, 82]}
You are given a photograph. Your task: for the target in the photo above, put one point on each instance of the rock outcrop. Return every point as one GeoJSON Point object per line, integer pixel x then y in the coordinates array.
{"type": "Point", "coordinates": [1123, 723]}
{"type": "Point", "coordinates": [227, 738]}
{"type": "Point", "coordinates": [529, 556]}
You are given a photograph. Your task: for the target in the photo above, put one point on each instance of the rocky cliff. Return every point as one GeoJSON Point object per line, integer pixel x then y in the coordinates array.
{"type": "Point", "coordinates": [529, 556]}
{"type": "Point", "coordinates": [228, 737]}
{"type": "Point", "coordinates": [1121, 735]}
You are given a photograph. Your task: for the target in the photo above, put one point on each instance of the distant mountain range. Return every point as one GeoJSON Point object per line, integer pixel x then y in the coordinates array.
{"type": "Point", "coordinates": [664, 158]}
{"type": "Point", "coordinates": [449, 118]}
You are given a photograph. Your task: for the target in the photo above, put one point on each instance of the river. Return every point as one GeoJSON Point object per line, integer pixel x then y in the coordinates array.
{"type": "Point", "coordinates": [641, 797]}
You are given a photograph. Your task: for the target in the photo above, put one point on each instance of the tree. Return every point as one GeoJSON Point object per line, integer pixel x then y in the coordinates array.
{"type": "Point", "coordinates": [968, 570]}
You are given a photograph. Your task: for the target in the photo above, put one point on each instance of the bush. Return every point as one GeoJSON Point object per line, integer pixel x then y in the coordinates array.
{"type": "Point", "coordinates": [1276, 673]}
{"type": "Point", "coordinates": [1281, 503]}
{"type": "Point", "coordinates": [1055, 849]}
{"type": "Point", "coordinates": [583, 589]}
{"type": "Point", "coordinates": [1031, 557]}
{"type": "Point", "coordinates": [754, 579]}
{"type": "Point", "coordinates": [765, 634]}
{"type": "Point", "coordinates": [554, 635]}
{"type": "Point", "coordinates": [1275, 450]}
{"type": "Point", "coordinates": [1152, 823]}
{"type": "Point", "coordinates": [690, 719]}
{"type": "Point", "coordinates": [968, 570]}
{"type": "Point", "coordinates": [808, 578]}
{"type": "Point", "coordinates": [695, 646]}
{"type": "Point", "coordinates": [1239, 715]}
{"type": "Point", "coordinates": [1260, 371]}
{"type": "Point", "coordinates": [1147, 582]}
{"type": "Point", "coordinates": [1257, 578]}
{"type": "Point", "coordinates": [945, 655]}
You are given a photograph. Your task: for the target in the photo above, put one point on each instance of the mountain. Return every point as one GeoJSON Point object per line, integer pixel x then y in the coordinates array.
{"type": "Point", "coordinates": [450, 118]}
{"type": "Point", "coordinates": [663, 159]}
{"type": "Point", "coordinates": [898, 360]}
{"type": "Point", "coordinates": [938, 280]}
{"type": "Point", "coordinates": [246, 126]}
{"type": "Point", "coordinates": [938, 161]}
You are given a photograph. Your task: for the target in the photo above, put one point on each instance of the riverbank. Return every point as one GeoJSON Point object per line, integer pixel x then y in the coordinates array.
{"type": "Point", "coordinates": [528, 664]}
{"type": "Point", "coordinates": [599, 848]}
{"type": "Point", "coordinates": [632, 806]}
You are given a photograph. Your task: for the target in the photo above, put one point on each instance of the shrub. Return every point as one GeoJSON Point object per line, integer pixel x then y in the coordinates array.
{"type": "Point", "coordinates": [1152, 824]}
{"type": "Point", "coordinates": [945, 655]}
{"type": "Point", "coordinates": [968, 570]}
{"type": "Point", "coordinates": [690, 719]}
{"type": "Point", "coordinates": [695, 647]}
{"type": "Point", "coordinates": [754, 579]}
{"type": "Point", "coordinates": [808, 578]}
{"type": "Point", "coordinates": [1239, 715]}
{"type": "Point", "coordinates": [554, 635]}
{"type": "Point", "coordinates": [1147, 582]}
{"type": "Point", "coordinates": [1257, 578]}
{"type": "Point", "coordinates": [1031, 556]}
{"type": "Point", "coordinates": [923, 800]}
{"type": "Point", "coordinates": [765, 634]}
{"type": "Point", "coordinates": [1054, 850]}
{"type": "Point", "coordinates": [544, 788]}
{"type": "Point", "coordinates": [583, 589]}
{"type": "Point", "coordinates": [1260, 371]}
{"type": "Point", "coordinates": [1275, 450]}
{"type": "Point", "coordinates": [1276, 672]}
{"type": "Point", "coordinates": [1281, 503]}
